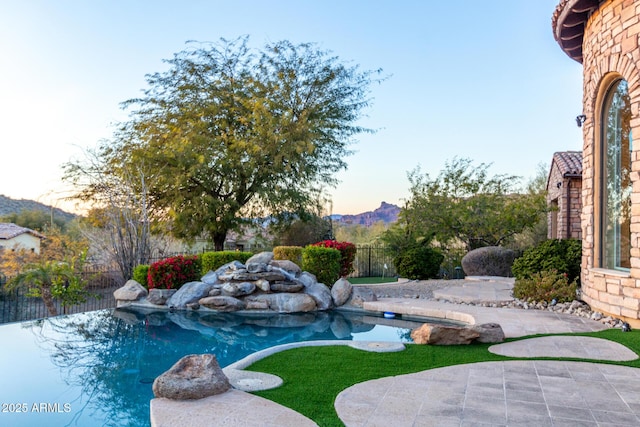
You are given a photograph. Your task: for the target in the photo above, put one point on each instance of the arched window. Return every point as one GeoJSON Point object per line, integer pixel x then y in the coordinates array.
{"type": "Point", "coordinates": [615, 155]}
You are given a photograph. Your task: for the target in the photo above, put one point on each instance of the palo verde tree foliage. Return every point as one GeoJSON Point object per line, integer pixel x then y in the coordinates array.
{"type": "Point", "coordinates": [464, 205]}
{"type": "Point", "coordinates": [229, 132]}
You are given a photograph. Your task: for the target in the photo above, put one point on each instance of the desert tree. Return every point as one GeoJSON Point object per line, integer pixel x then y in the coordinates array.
{"type": "Point", "coordinates": [118, 224]}
{"type": "Point", "coordinates": [464, 205]}
{"type": "Point", "coordinates": [229, 133]}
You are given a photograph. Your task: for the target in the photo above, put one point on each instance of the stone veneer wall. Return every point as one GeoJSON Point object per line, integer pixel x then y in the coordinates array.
{"type": "Point", "coordinates": [573, 208]}
{"type": "Point", "coordinates": [610, 49]}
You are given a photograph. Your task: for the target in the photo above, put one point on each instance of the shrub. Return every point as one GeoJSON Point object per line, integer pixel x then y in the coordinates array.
{"type": "Point", "coordinates": [292, 253]}
{"type": "Point", "coordinates": [563, 256]}
{"type": "Point", "coordinates": [215, 260]}
{"type": "Point", "coordinates": [140, 274]}
{"type": "Point", "coordinates": [322, 262]}
{"type": "Point", "coordinates": [546, 286]}
{"type": "Point", "coordinates": [419, 262]}
{"type": "Point", "coordinates": [172, 273]}
{"type": "Point", "coordinates": [347, 254]}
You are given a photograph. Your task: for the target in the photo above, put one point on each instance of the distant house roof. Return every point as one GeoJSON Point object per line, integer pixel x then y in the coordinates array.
{"type": "Point", "coordinates": [9, 231]}
{"type": "Point", "coordinates": [569, 163]}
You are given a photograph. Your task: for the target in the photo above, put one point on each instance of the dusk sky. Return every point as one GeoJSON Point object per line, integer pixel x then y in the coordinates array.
{"type": "Point", "coordinates": [484, 80]}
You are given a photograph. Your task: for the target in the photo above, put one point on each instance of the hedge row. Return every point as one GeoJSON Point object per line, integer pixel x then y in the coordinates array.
{"type": "Point", "coordinates": [173, 272]}
{"type": "Point", "coordinates": [327, 260]}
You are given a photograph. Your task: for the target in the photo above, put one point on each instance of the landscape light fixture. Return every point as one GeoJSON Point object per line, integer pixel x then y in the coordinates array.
{"type": "Point", "coordinates": [580, 120]}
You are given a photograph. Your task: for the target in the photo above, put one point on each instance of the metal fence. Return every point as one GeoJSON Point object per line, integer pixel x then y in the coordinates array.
{"type": "Point", "coordinates": [17, 306]}
{"type": "Point", "coordinates": [373, 261]}
{"type": "Point", "coordinates": [370, 261]}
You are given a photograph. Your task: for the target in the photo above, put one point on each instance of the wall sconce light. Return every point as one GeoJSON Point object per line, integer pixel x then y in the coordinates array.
{"type": "Point", "coordinates": [580, 120]}
{"type": "Point", "coordinates": [559, 184]}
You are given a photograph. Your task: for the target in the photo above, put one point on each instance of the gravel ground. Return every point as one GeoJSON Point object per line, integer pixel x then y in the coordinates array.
{"type": "Point", "coordinates": [413, 289]}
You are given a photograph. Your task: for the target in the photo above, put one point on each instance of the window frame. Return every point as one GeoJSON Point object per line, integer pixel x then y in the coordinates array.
{"type": "Point", "coordinates": [605, 260]}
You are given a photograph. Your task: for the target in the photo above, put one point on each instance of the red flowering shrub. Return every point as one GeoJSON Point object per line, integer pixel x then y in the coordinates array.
{"type": "Point", "coordinates": [347, 252]}
{"type": "Point", "coordinates": [172, 273]}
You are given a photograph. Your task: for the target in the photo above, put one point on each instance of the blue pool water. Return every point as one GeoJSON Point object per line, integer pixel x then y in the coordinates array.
{"type": "Point", "coordinates": [97, 368]}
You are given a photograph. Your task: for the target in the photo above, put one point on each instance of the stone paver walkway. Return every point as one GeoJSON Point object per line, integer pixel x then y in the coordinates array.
{"type": "Point", "coordinates": [234, 408]}
{"type": "Point", "coordinates": [565, 346]}
{"type": "Point", "coordinates": [518, 393]}
{"type": "Point", "coordinates": [479, 290]}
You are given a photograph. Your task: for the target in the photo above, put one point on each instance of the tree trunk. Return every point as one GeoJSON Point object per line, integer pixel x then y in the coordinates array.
{"type": "Point", "coordinates": [47, 298]}
{"type": "Point", "coordinates": [218, 240]}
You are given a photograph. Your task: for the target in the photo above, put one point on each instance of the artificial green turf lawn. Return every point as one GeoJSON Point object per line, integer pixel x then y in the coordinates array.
{"type": "Point", "coordinates": [371, 280]}
{"type": "Point", "coordinates": [314, 376]}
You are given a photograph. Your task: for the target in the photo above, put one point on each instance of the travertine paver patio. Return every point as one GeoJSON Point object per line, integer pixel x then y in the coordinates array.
{"type": "Point", "coordinates": [233, 408]}
{"type": "Point", "coordinates": [567, 347]}
{"type": "Point", "coordinates": [515, 393]}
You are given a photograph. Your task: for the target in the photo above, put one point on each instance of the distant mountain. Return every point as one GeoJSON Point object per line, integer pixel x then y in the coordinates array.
{"type": "Point", "coordinates": [10, 206]}
{"type": "Point", "coordinates": [386, 213]}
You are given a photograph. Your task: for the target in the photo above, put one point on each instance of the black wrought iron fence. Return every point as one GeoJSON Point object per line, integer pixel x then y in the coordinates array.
{"type": "Point", "coordinates": [17, 306]}
{"type": "Point", "coordinates": [370, 261]}
{"type": "Point", "coordinates": [373, 261]}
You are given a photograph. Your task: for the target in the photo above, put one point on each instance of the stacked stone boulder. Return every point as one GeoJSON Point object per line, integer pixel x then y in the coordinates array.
{"type": "Point", "coordinates": [261, 283]}
{"type": "Point", "coordinates": [489, 261]}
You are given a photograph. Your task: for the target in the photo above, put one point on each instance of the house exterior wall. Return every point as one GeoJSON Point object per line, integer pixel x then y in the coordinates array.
{"type": "Point", "coordinates": [565, 222]}
{"type": "Point", "coordinates": [23, 241]}
{"type": "Point", "coordinates": [610, 50]}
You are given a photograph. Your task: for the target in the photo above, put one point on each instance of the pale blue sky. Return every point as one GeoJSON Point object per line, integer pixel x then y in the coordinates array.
{"type": "Point", "coordinates": [470, 78]}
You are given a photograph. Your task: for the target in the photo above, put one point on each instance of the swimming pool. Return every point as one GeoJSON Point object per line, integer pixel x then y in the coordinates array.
{"type": "Point", "coordinates": [97, 368]}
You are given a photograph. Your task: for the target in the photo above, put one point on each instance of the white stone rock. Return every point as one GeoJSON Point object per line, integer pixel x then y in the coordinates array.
{"type": "Point", "coordinates": [131, 291]}
{"type": "Point", "coordinates": [260, 258]}
{"type": "Point", "coordinates": [189, 292]}
{"type": "Point", "coordinates": [321, 294]}
{"type": "Point", "coordinates": [341, 291]}
{"type": "Point", "coordinates": [238, 289]}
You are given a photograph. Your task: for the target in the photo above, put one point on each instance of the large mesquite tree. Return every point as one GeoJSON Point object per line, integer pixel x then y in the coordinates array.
{"type": "Point", "coordinates": [229, 133]}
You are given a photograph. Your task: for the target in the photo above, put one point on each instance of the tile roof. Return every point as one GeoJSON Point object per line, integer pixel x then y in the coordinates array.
{"type": "Point", "coordinates": [568, 23]}
{"type": "Point", "coordinates": [9, 231]}
{"type": "Point", "coordinates": [569, 162]}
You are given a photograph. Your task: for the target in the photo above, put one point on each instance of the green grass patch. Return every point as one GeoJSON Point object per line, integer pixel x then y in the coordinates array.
{"type": "Point", "coordinates": [371, 280]}
{"type": "Point", "coordinates": [314, 376]}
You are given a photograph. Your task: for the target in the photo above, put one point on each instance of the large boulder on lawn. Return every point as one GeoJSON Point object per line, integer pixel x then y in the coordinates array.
{"type": "Point", "coordinates": [489, 261]}
{"type": "Point", "coordinates": [435, 334]}
{"type": "Point", "coordinates": [489, 332]}
{"type": "Point", "coordinates": [131, 291]}
{"type": "Point", "coordinates": [341, 291]}
{"type": "Point", "coordinates": [192, 377]}
{"type": "Point", "coordinates": [189, 293]}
